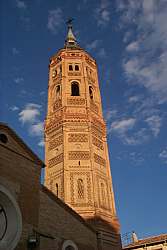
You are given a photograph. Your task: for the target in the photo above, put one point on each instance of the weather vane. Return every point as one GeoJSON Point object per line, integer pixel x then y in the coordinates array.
{"type": "Point", "coordinates": [69, 22]}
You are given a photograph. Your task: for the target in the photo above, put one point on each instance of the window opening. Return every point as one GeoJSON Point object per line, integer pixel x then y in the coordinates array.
{"type": "Point", "coordinates": [54, 73]}
{"type": "Point", "coordinates": [80, 189]}
{"type": "Point", "coordinates": [91, 92]}
{"type": "Point", "coordinates": [57, 190]}
{"type": "Point", "coordinates": [74, 89]}
{"type": "Point", "coordinates": [70, 67]}
{"type": "Point", "coordinates": [57, 91]}
{"type": "Point", "coordinates": [76, 67]}
{"type": "Point", "coordinates": [79, 163]}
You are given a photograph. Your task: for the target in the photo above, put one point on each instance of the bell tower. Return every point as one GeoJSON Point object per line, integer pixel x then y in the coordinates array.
{"type": "Point", "coordinates": [76, 152]}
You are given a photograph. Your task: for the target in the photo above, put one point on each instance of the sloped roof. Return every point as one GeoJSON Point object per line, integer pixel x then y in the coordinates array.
{"type": "Point", "coordinates": [147, 241]}
{"type": "Point", "coordinates": [13, 134]}
{"type": "Point", "coordinates": [66, 207]}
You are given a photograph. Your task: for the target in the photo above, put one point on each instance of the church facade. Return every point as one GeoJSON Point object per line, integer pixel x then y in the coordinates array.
{"type": "Point", "coordinates": [75, 208]}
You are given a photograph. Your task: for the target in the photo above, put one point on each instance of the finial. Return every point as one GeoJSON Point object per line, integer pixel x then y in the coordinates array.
{"type": "Point", "coordinates": [70, 40]}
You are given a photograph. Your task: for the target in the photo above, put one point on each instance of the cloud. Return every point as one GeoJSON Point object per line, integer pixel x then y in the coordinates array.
{"type": "Point", "coordinates": [30, 116]}
{"type": "Point", "coordinates": [163, 155]}
{"type": "Point", "coordinates": [21, 4]}
{"type": "Point", "coordinates": [30, 113]}
{"type": "Point", "coordinates": [19, 80]}
{"type": "Point", "coordinates": [41, 143]}
{"type": "Point", "coordinates": [102, 13]}
{"type": "Point", "coordinates": [15, 51]}
{"type": "Point", "coordinates": [123, 125]}
{"type": "Point", "coordinates": [134, 99]}
{"type": "Point", "coordinates": [93, 45]}
{"type": "Point", "coordinates": [55, 20]}
{"type": "Point", "coordinates": [147, 66]}
{"type": "Point", "coordinates": [154, 122]}
{"type": "Point", "coordinates": [108, 114]}
{"type": "Point", "coordinates": [36, 129]}
{"type": "Point", "coordinates": [133, 46]}
{"type": "Point", "coordinates": [14, 108]}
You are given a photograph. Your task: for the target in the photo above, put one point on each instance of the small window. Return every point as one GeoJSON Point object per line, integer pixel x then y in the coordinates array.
{"type": "Point", "coordinates": [70, 68]}
{"type": "Point", "coordinates": [57, 190]}
{"type": "Point", "coordinates": [54, 73]}
{"type": "Point", "coordinates": [77, 67]}
{"type": "Point", "coordinates": [74, 89]}
{"type": "Point", "coordinates": [91, 92]}
{"type": "Point", "coordinates": [57, 91]}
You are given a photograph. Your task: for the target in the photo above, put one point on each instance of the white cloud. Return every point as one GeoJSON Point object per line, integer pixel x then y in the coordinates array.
{"type": "Point", "coordinates": [123, 125]}
{"type": "Point", "coordinates": [55, 19]}
{"type": "Point", "coordinates": [14, 108]}
{"type": "Point", "coordinates": [30, 113]}
{"type": "Point", "coordinates": [41, 143]}
{"type": "Point", "coordinates": [102, 13]}
{"type": "Point", "coordinates": [21, 4]}
{"type": "Point", "coordinates": [93, 45]}
{"type": "Point", "coordinates": [133, 99]}
{"type": "Point", "coordinates": [110, 114]}
{"type": "Point", "coordinates": [148, 66]}
{"type": "Point", "coordinates": [163, 155]}
{"type": "Point", "coordinates": [19, 80]}
{"type": "Point", "coordinates": [154, 122]}
{"type": "Point", "coordinates": [36, 129]}
{"type": "Point", "coordinates": [133, 46]}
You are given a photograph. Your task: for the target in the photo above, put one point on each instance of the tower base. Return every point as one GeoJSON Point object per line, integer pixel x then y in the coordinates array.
{"type": "Point", "coordinates": [108, 234]}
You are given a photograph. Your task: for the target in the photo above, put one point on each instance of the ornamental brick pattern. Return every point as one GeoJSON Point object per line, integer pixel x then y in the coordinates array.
{"type": "Point", "coordinates": [81, 146]}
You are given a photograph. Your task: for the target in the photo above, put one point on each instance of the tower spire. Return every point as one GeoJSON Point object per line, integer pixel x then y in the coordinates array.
{"type": "Point", "coordinates": [70, 40]}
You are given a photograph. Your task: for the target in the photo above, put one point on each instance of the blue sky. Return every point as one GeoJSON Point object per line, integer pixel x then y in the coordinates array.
{"type": "Point", "coordinates": [129, 41]}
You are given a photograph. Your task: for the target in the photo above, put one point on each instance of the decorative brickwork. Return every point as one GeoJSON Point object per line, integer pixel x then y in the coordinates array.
{"type": "Point", "coordinates": [55, 142]}
{"type": "Point", "coordinates": [76, 101]}
{"type": "Point", "coordinates": [78, 137]}
{"type": "Point", "coordinates": [74, 176]}
{"type": "Point", "coordinates": [79, 155]}
{"type": "Point", "coordinates": [97, 143]}
{"type": "Point", "coordinates": [96, 132]}
{"type": "Point", "coordinates": [74, 73]}
{"type": "Point", "coordinates": [57, 104]}
{"type": "Point", "coordinates": [75, 116]}
{"type": "Point", "coordinates": [94, 107]}
{"type": "Point", "coordinates": [56, 160]}
{"type": "Point", "coordinates": [98, 159]}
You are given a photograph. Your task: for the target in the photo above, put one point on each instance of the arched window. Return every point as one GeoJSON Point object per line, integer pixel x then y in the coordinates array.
{"type": "Point", "coordinates": [57, 189]}
{"type": "Point", "coordinates": [57, 91]}
{"type": "Point", "coordinates": [80, 189]}
{"type": "Point", "coordinates": [74, 89]}
{"type": "Point", "coordinates": [54, 73]}
{"type": "Point", "coordinates": [91, 92]}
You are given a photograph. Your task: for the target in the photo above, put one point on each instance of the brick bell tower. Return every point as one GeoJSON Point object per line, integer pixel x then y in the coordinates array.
{"type": "Point", "coordinates": [76, 152]}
